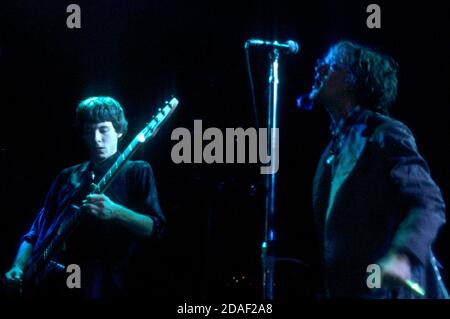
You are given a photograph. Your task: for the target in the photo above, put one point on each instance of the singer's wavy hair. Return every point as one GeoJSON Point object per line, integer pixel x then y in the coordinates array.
{"type": "Point", "coordinates": [99, 109]}
{"type": "Point", "coordinates": [373, 75]}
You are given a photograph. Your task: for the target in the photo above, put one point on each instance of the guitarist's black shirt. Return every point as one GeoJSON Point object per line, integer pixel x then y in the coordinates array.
{"type": "Point", "coordinates": [102, 249]}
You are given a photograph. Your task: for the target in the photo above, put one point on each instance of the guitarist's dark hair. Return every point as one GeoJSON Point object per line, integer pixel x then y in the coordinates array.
{"type": "Point", "coordinates": [98, 109]}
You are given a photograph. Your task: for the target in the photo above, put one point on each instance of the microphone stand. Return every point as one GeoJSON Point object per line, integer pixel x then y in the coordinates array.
{"type": "Point", "coordinates": [267, 246]}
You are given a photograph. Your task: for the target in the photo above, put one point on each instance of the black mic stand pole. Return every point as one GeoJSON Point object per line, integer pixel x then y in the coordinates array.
{"type": "Point", "coordinates": [267, 247]}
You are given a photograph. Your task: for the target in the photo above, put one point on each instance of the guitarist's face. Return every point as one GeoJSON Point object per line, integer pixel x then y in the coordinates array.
{"type": "Point", "coordinates": [101, 139]}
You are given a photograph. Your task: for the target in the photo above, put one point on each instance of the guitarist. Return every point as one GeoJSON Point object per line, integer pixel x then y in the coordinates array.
{"type": "Point", "coordinates": [103, 244]}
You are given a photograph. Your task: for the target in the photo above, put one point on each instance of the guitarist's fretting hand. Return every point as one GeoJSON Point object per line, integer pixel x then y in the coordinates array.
{"type": "Point", "coordinates": [101, 206]}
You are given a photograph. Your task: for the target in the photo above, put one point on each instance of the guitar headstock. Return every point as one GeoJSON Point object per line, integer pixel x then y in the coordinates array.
{"type": "Point", "coordinates": [163, 114]}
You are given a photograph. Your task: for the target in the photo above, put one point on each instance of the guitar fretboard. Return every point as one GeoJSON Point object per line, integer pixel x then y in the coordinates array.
{"type": "Point", "coordinates": [148, 131]}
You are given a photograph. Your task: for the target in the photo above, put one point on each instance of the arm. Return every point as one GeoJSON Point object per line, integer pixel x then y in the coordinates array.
{"type": "Point", "coordinates": [25, 249]}
{"type": "Point", "coordinates": [23, 254]}
{"type": "Point", "coordinates": [145, 219]}
{"type": "Point", "coordinates": [104, 208]}
{"type": "Point", "coordinates": [423, 209]}
{"type": "Point", "coordinates": [139, 224]}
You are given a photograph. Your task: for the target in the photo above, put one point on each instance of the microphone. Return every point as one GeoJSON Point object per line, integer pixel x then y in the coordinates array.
{"type": "Point", "coordinates": [289, 47]}
{"type": "Point", "coordinates": [305, 103]}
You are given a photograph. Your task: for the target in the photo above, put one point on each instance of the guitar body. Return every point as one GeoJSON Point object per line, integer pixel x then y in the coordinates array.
{"type": "Point", "coordinates": [44, 271]}
{"type": "Point", "coordinates": [44, 259]}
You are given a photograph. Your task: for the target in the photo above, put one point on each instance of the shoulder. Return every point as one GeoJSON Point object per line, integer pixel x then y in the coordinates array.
{"type": "Point", "coordinates": [67, 172]}
{"type": "Point", "coordinates": [139, 173]}
{"type": "Point", "coordinates": [139, 168]}
{"type": "Point", "coordinates": [384, 130]}
{"type": "Point", "coordinates": [74, 168]}
{"type": "Point", "coordinates": [139, 165]}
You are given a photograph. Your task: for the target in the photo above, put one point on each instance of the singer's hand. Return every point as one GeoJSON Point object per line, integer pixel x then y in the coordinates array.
{"type": "Point", "coordinates": [395, 269]}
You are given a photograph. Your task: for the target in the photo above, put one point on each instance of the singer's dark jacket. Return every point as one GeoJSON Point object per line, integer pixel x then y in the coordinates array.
{"type": "Point", "coordinates": [102, 249]}
{"type": "Point", "coordinates": [373, 193]}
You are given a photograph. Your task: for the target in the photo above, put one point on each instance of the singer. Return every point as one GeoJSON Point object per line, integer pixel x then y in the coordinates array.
{"type": "Point", "coordinates": [373, 197]}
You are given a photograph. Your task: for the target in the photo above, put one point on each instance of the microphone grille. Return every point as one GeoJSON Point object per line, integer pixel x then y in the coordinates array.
{"type": "Point", "coordinates": [293, 47]}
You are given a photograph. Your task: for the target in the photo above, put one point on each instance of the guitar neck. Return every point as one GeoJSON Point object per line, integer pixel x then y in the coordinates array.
{"type": "Point", "coordinates": [110, 175]}
{"type": "Point", "coordinates": [149, 131]}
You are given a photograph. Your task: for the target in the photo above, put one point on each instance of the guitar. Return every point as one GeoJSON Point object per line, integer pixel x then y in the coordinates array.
{"type": "Point", "coordinates": [43, 258]}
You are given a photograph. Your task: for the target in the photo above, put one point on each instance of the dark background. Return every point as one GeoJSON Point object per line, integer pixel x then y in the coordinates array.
{"type": "Point", "coordinates": [141, 53]}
